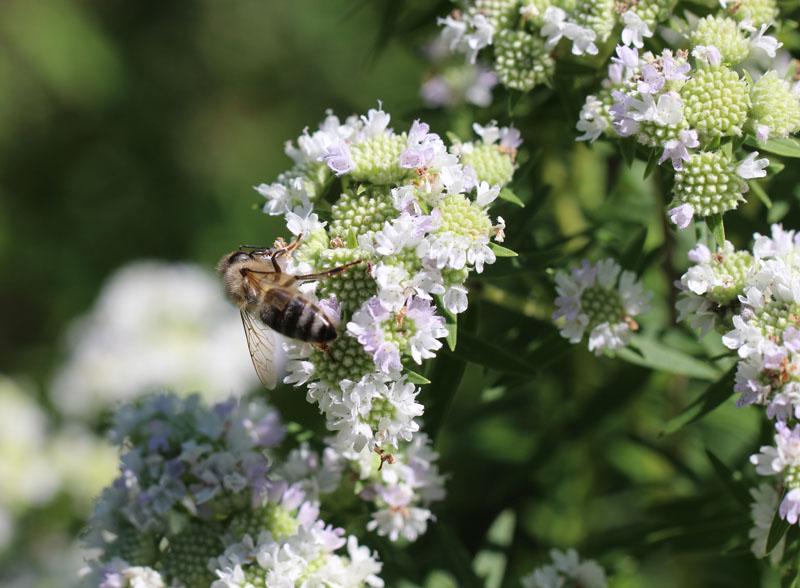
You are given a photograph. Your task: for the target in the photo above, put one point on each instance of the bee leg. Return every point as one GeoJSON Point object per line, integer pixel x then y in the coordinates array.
{"type": "Point", "coordinates": [325, 349]}
{"type": "Point", "coordinates": [334, 271]}
{"type": "Point", "coordinates": [283, 250]}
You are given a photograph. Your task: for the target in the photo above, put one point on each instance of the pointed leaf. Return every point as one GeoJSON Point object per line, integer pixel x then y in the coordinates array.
{"type": "Point", "coordinates": [652, 164]}
{"type": "Point", "coordinates": [759, 191]}
{"type": "Point", "coordinates": [415, 378]}
{"type": "Point", "coordinates": [716, 227]}
{"type": "Point", "coordinates": [788, 147]}
{"type": "Point", "coordinates": [660, 357]}
{"type": "Point", "coordinates": [501, 251]}
{"type": "Point", "coordinates": [450, 323]}
{"type": "Point", "coordinates": [711, 398]}
{"type": "Point", "coordinates": [508, 195]}
{"type": "Point", "coordinates": [628, 149]}
{"type": "Point", "coordinates": [777, 530]}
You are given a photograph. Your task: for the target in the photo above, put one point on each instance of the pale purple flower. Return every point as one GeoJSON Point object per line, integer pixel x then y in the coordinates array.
{"type": "Point", "coordinates": [676, 149]}
{"type": "Point", "coordinates": [627, 57]}
{"type": "Point", "coordinates": [652, 80]}
{"type": "Point", "coordinates": [762, 133]}
{"type": "Point", "coordinates": [791, 339]}
{"type": "Point", "coordinates": [367, 328]}
{"type": "Point", "coordinates": [339, 158]}
{"type": "Point", "coordinates": [421, 146]}
{"type": "Point", "coordinates": [510, 137]}
{"type": "Point", "coordinates": [790, 506]}
{"type": "Point", "coordinates": [682, 215]}
{"type": "Point", "coordinates": [672, 71]}
{"type": "Point", "coordinates": [428, 327]}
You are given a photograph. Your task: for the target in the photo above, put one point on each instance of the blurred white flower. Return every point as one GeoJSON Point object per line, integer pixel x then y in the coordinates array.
{"type": "Point", "coordinates": [154, 325]}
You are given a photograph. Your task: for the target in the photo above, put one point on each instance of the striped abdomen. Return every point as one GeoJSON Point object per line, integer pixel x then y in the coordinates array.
{"type": "Point", "coordinates": [292, 315]}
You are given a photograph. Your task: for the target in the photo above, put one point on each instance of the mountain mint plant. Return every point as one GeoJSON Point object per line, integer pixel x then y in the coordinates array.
{"type": "Point", "coordinates": [417, 217]}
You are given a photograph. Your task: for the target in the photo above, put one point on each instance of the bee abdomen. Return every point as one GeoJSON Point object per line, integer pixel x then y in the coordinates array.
{"type": "Point", "coordinates": [300, 319]}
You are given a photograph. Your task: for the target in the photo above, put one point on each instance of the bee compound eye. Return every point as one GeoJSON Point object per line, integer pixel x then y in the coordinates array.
{"type": "Point", "coordinates": [239, 256]}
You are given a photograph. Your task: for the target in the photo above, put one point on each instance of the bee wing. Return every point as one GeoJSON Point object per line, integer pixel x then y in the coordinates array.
{"type": "Point", "coordinates": [263, 344]}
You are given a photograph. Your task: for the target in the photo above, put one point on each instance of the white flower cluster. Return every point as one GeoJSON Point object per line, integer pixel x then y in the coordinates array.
{"type": "Point", "coordinates": [416, 215]}
{"type": "Point", "coordinates": [154, 325]}
{"type": "Point", "coordinates": [523, 38]}
{"type": "Point", "coordinates": [754, 298]}
{"type": "Point", "coordinates": [566, 570]}
{"type": "Point", "coordinates": [306, 558]}
{"type": "Point", "coordinates": [199, 503]}
{"type": "Point", "coordinates": [762, 292]}
{"type": "Point", "coordinates": [685, 104]}
{"type": "Point", "coordinates": [402, 491]}
{"type": "Point", "coordinates": [601, 300]}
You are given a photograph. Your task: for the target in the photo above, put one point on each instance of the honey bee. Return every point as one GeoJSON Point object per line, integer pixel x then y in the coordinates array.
{"type": "Point", "coordinates": [258, 283]}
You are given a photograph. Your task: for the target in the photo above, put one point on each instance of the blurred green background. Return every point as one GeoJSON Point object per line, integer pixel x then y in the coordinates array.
{"type": "Point", "coordinates": [136, 130]}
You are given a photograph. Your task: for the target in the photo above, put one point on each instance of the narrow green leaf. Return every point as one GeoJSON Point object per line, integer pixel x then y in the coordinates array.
{"type": "Point", "coordinates": [777, 530]}
{"type": "Point", "coordinates": [450, 323]}
{"type": "Point", "coordinates": [734, 486]}
{"type": "Point", "coordinates": [660, 357]}
{"type": "Point", "coordinates": [628, 149]}
{"type": "Point", "coordinates": [759, 191]}
{"type": "Point", "coordinates": [788, 147]}
{"type": "Point", "coordinates": [652, 164]}
{"type": "Point", "coordinates": [508, 195]}
{"type": "Point", "coordinates": [415, 378]}
{"type": "Point", "coordinates": [716, 227]}
{"type": "Point", "coordinates": [711, 398]}
{"type": "Point", "coordinates": [476, 350]}
{"type": "Point", "coordinates": [501, 251]}
{"type": "Point", "coordinates": [452, 334]}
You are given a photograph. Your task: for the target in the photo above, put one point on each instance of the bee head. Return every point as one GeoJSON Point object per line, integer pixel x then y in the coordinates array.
{"type": "Point", "coordinates": [231, 259]}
